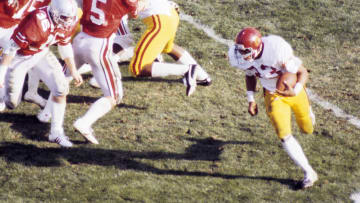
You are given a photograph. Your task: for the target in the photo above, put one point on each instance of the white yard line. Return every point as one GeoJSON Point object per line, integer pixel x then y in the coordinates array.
{"type": "Point", "coordinates": [313, 96]}
{"type": "Point", "coordinates": [355, 197]}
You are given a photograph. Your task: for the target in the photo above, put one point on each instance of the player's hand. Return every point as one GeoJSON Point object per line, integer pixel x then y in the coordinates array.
{"type": "Point", "coordinates": [253, 109]}
{"type": "Point", "coordinates": [78, 78]}
{"type": "Point", "coordinates": [287, 92]}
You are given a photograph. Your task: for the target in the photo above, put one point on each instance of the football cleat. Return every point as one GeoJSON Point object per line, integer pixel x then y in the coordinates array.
{"type": "Point", "coordinates": [190, 79]}
{"type": "Point", "coordinates": [86, 131]}
{"type": "Point", "coordinates": [43, 116]}
{"type": "Point", "coordinates": [58, 136]}
{"type": "Point", "coordinates": [35, 98]}
{"type": "Point", "coordinates": [205, 82]}
{"type": "Point", "coordinates": [94, 83]}
{"type": "Point", "coordinates": [309, 180]}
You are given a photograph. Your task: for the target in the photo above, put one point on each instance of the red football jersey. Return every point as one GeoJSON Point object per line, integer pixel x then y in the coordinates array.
{"type": "Point", "coordinates": [37, 32]}
{"type": "Point", "coordinates": [13, 11]}
{"type": "Point", "coordinates": [102, 17]}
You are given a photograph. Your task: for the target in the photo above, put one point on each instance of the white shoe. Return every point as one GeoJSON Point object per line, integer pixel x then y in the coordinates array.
{"type": "Point", "coordinates": [59, 137]}
{"type": "Point", "coordinates": [190, 79]}
{"type": "Point", "coordinates": [2, 106]}
{"type": "Point", "coordinates": [309, 180]}
{"type": "Point", "coordinates": [94, 83]}
{"type": "Point", "coordinates": [43, 117]}
{"type": "Point", "coordinates": [35, 98]}
{"type": "Point", "coordinates": [85, 131]}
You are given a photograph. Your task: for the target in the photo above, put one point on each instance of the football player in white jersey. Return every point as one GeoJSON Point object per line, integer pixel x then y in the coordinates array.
{"type": "Point", "coordinates": [267, 58]}
{"type": "Point", "coordinates": [162, 20]}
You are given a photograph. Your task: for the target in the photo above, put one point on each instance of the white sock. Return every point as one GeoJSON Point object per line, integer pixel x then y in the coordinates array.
{"type": "Point", "coordinates": [33, 82]}
{"type": "Point", "coordinates": [58, 112]}
{"type": "Point", "coordinates": [187, 59]}
{"type": "Point", "coordinates": [125, 54]}
{"type": "Point", "coordinates": [294, 150]}
{"type": "Point", "coordinates": [48, 106]}
{"type": "Point", "coordinates": [85, 68]}
{"type": "Point", "coordinates": [2, 95]}
{"type": "Point", "coordinates": [167, 69]}
{"type": "Point", "coordinates": [97, 110]}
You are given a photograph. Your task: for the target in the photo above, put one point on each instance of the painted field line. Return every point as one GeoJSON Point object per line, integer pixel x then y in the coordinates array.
{"type": "Point", "coordinates": [313, 96]}
{"type": "Point", "coordinates": [355, 197]}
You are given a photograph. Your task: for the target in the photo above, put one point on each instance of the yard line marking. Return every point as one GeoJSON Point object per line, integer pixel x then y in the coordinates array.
{"type": "Point", "coordinates": [313, 96]}
{"type": "Point", "coordinates": [355, 197]}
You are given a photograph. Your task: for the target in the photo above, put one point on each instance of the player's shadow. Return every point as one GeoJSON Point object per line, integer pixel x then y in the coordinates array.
{"type": "Point", "coordinates": [150, 79]}
{"type": "Point", "coordinates": [31, 155]}
{"type": "Point", "coordinates": [27, 125]}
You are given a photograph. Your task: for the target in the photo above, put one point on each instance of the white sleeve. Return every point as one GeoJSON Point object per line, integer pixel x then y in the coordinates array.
{"type": "Point", "coordinates": [66, 51]}
{"type": "Point", "coordinates": [287, 58]}
{"type": "Point", "coordinates": [11, 48]}
{"type": "Point", "coordinates": [292, 65]}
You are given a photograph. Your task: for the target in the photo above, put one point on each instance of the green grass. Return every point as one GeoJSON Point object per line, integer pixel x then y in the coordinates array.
{"type": "Point", "coordinates": [161, 146]}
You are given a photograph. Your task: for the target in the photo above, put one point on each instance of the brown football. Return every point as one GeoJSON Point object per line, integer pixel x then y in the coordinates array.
{"type": "Point", "coordinates": [290, 79]}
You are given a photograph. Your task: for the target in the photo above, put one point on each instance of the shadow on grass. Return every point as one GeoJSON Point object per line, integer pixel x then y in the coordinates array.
{"type": "Point", "coordinates": [27, 125]}
{"type": "Point", "coordinates": [151, 79]}
{"type": "Point", "coordinates": [31, 155]}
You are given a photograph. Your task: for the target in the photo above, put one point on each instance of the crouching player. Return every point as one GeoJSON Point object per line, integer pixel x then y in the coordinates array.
{"type": "Point", "coordinates": [29, 49]}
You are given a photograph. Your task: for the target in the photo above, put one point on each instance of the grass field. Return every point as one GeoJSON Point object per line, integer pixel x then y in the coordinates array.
{"type": "Point", "coordinates": [159, 145]}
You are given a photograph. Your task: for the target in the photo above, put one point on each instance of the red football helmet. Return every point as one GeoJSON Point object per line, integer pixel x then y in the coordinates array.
{"type": "Point", "coordinates": [248, 43]}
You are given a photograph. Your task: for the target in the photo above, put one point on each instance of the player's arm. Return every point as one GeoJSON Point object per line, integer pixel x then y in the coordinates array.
{"type": "Point", "coordinates": [302, 77]}
{"type": "Point", "coordinates": [67, 54]}
{"type": "Point", "coordinates": [250, 92]}
{"type": "Point", "coordinates": [9, 53]}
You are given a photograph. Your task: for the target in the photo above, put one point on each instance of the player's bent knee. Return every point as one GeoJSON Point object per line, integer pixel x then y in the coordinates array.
{"type": "Point", "coordinates": [308, 129]}
{"type": "Point", "coordinates": [62, 89]}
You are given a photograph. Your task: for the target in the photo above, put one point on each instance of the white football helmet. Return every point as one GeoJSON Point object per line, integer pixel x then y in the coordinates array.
{"type": "Point", "coordinates": [63, 12]}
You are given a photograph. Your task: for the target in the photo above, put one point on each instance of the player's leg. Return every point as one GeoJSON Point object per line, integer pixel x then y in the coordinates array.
{"type": "Point", "coordinates": [151, 44]}
{"type": "Point", "coordinates": [50, 71]}
{"type": "Point", "coordinates": [2, 90]}
{"type": "Point", "coordinates": [279, 113]}
{"type": "Point", "coordinates": [303, 113]}
{"type": "Point", "coordinates": [182, 56]}
{"type": "Point", "coordinates": [108, 76]}
{"type": "Point", "coordinates": [16, 77]}
{"type": "Point", "coordinates": [32, 93]}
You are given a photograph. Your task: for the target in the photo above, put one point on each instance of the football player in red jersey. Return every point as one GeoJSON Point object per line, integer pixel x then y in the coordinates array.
{"type": "Point", "coordinates": [28, 49]}
{"type": "Point", "coordinates": [12, 12]}
{"type": "Point", "coordinates": [93, 45]}
{"type": "Point", "coordinates": [267, 58]}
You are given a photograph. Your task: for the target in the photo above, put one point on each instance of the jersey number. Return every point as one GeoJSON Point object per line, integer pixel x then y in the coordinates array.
{"type": "Point", "coordinates": [45, 24]}
{"type": "Point", "coordinates": [100, 20]}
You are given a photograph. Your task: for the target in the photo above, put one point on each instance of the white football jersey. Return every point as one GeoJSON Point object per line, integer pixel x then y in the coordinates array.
{"type": "Point", "coordinates": [277, 57]}
{"type": "Point", "coordinates": [155, 7]}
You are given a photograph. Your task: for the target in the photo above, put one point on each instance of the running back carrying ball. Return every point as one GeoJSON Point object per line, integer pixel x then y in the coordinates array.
{"type": "Point", "coordinates": [289, 78]}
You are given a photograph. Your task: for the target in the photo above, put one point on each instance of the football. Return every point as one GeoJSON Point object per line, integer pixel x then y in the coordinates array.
{"type": "Point", "coordinates": [290, 79]}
